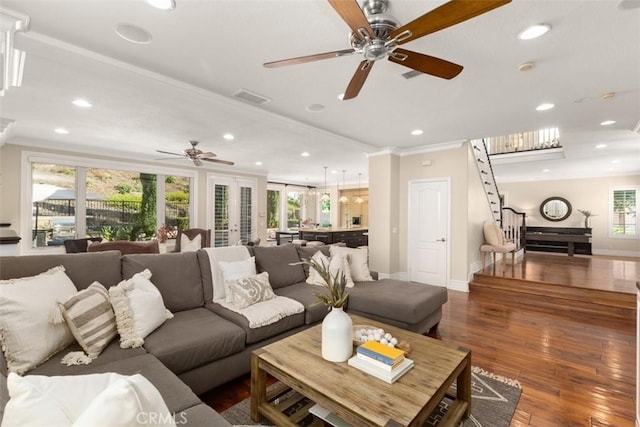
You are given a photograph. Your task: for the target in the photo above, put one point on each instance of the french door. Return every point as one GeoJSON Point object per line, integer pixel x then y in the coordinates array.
{"type": "Point", "coordinates": [231, 209]}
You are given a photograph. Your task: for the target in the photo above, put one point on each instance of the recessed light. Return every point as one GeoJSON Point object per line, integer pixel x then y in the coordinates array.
{"type": "Point", "coordinates": [82, 103]}
{"type": "Point", "coordinates": [163, 4]}
{"type": "Point", "coordinates": [534, 31]}
{"type": "Point", "coordinates": [229, 136]}
{"type": "Point", "coordinates": [607, 122]}
{"type": "Point", "coordinates": [527, 66]}
{"type": "Point", "coordinates": [601, 146]}
{"type": "Point", "coordinates": [61, 131]}
{"type": "Point", "coordinates": [305, 154]}
{"type": "Point", "coordinates": [544, 107]}
{"type": "Point", "coordinates": [258, 163]}
{"type": "Point", "coordinates": [616, 161]}
{"type": "Point", "coordinates": [133, 33]}
{"type": "Point", "coordinates": [545, 170]}
{"type": "Point", "coordinates": [417, 132]}
{"type": "Point", "coordinates": [316, 108]}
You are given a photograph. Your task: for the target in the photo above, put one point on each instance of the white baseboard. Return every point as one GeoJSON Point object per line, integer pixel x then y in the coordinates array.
{"type": "Point", "coordinates": [611, 252]}
{"type": "Point", "coordinates": [458, 285]}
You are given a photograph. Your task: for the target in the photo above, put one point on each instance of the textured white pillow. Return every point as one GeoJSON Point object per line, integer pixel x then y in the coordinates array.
{"type": "Point", "coordinates": [249, 290]}
{"type": "Point", "coordinates": [493, 234]}
{"type": "Point", "coordinates": [358, 261]}
{"type": "Point", "coordinates": [81, 400]}
{"type": "Point", "coordinates": [236, 270]}
{"type": "Point", "coordinates": [139, 309]}
{"type": "Point", "coordinates": [188, 245]}
{"type": "Point", "coordinates": [26, 335]}
{"type": "Point", "coordinates": [338, 263]}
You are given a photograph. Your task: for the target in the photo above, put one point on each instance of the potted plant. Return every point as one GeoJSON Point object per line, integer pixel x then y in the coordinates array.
{"type": "Point", "coordinates": [587, 215]}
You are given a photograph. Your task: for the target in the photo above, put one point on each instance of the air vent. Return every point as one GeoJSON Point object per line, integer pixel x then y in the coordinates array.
{"type": "Point", "coordinates": [251, 97]}
{"type": "Point", "coordinates": [411, 74]}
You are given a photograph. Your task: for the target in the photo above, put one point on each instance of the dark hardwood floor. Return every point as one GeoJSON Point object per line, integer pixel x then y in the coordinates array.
{"type": "Point", "coordinates": [576, 369]}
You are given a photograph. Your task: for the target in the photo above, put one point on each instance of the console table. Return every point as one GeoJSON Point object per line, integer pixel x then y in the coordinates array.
{"type": "Point", "coordinates": [352, 237]}
{"type": "Point", "coordinates": [569, 240]}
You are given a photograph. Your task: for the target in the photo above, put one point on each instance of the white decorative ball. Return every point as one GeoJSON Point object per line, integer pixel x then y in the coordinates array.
{"type": "Point", "coordinates": [377, 336]}
{"type": "Point", "coordinates": [388, 336]}
{"type": "Point", "coordinates": [390, 344]}
{"type": "Point", "coordinates": [380, 331]}
{"type": "Point", "coordinates": [384, 341]}
{"type": "Point", "coordinates": [394, 341]}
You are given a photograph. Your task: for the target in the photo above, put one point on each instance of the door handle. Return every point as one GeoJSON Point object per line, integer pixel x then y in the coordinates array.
{"type": "Point", "coordinates": [441, 240]}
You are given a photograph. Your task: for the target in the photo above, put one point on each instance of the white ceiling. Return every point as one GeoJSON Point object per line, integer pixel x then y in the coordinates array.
{"type": "Point", "coordinates": [180, 86]}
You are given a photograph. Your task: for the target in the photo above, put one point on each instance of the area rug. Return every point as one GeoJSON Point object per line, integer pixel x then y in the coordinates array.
{"type": "Point", "coordinates": [493, 401]}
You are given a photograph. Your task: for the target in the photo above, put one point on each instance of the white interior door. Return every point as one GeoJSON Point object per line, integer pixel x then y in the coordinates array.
{"type": "Point", "coordinates": [231, 211]}
{"type": "Point", "coordinates": [428, 231]}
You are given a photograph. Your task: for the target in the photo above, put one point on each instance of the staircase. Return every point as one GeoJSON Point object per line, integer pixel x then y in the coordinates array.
{"type": "Point", "coordinates": [487, 177]}
{"type": "Point", "coordinates": [513, 223]}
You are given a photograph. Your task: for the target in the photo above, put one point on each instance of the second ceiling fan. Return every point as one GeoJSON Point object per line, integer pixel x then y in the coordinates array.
{"type": "Point", "coordinates": [377, 35]}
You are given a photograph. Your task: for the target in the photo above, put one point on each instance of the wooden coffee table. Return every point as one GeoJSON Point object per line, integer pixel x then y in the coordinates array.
{"type": "Point", "coordinates": [356, 397]}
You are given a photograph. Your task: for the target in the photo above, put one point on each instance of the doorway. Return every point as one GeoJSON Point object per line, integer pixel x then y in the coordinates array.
{"type": "Point", "coordinates": [231, 209]}
{"type": "Point", "coordinates": [428, 231]}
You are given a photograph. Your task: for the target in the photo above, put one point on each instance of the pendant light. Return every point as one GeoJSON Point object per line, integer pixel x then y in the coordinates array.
{"type": "Point", "coordinates": [359, 199]}
{"type": "Point", "coordinates": [343, 198]}
{"type": "Point", "coordinates": [325, 196]}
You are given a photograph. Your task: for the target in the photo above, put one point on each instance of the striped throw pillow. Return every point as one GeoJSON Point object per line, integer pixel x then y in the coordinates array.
{"type": "Point", "coordinates": [91, 319]}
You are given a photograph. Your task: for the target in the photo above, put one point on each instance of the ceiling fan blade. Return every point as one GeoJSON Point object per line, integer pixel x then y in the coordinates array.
{"type": "Point", "coordinates": [350, 12]}
{"type": "Point", "coordinates": [358, 79]}
{"type": "Point", "coordinates": [224, 162]}
{"type": "Point", "coordinates": [196, 162]}
{"type": "Point", "coordinates": [169, 152]}
{"type": "Point", "coordinates": [425, 63]}
{"type": "Point", "coordinates": [171, 158]}
{"type": "Point", "coordinates": [448, 14]}
{"type": "Point", "coordinates": [207, 154]}
{"type": "Point", "coordinates": [309, 58]}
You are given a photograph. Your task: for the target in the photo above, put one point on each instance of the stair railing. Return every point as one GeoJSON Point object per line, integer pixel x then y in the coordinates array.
{"type": "Point", "coordinates": [488, 178]}
{"type": "Point", "coordinates": [514, 224]}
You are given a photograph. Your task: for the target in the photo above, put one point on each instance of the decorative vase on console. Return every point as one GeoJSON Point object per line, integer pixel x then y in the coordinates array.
{"type": "Point", "coordinates": [587, 217]}
{"type": "Point", "coordinates": [337, 327]}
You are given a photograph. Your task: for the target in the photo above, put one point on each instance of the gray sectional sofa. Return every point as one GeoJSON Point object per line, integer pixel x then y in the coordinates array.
{"type": "Point", "coordinates": [206, 345]}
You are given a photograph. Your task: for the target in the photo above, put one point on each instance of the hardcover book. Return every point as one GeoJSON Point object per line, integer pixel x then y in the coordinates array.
{"type": "Point", "coordinates": [381, 352]}
{"type": "Point", "coordinates": [386, 376]}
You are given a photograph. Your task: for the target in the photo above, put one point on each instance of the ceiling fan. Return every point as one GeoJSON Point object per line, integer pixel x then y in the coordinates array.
{"type": "Point", "coordinates": [376, 35]}
{"type": "Point", "coordinates": [196, 155]}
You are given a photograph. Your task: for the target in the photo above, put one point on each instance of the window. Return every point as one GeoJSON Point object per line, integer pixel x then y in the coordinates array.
{"type": "Point", "coordinates": [623, 220]}
{"type": "Point", "coordinates": [72, 197]}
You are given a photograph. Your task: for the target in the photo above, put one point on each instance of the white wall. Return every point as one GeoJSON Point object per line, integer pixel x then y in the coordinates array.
{"type": "Point", "coordinates": [590, 194]}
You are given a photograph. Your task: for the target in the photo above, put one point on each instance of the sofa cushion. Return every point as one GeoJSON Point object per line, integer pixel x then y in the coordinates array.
{"type": "Point", "coordinates": [200, 415]}
{"type": "Point", "coordinates": [83, 269]}
{"type": "Point", "coordinates": [303, 293]}
{"type": "Point", "coordinates": [90, 318]}
{"type": "Point", "coordinates": [193, 338]}
{"type": "Point", "coordinates": [28, 337]}
{"type": "Point", "coordinates": [407, 302]}
{"type": "Point", "coordinates": [306, 252]}
{"type": "Point", "coordinates": [254, 335]}
{"type": "Point", "coordinates": [277, 261]}
{"type": "Point", "coordinates": [249, 290]}
{"type": "Point", "coordinates": [139, 309]}
{"type": "Point", "coordinates": [176, 275]}
{"type": "Point", "coordinates": [358, 261]}
{"type": "Point", "coordinates": [112, 353]}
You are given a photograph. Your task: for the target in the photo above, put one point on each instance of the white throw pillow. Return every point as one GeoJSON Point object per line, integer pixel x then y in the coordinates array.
{"type": "Point", "coordinates": [358, 261]}
{"type": "Point", "coordinates": [249, 290]}
{"type": "Point", "coordinates": [87, 400]}
{"type": "Point", "coordinates": [26, 335]}
{"type": "Point", "coordinates": [139, 309]}
{"type": "Point", "coordinates": [236, 270]}
{"type": "Point", "coordinates": [188, 245]}
{"type": "Point", "coordinates": [338, 264]}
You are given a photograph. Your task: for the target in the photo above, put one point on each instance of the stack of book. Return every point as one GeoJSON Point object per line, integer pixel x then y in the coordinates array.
{"type": "Point", "coordinates": [381, 361]}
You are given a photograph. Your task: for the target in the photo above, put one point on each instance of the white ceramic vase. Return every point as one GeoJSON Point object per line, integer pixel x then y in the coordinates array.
{"type": "Point", "coordinates": [337, 336]}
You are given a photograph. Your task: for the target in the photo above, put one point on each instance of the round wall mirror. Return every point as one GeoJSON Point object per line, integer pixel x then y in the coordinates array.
{"type": "Point", "coordinates": [555, 209]}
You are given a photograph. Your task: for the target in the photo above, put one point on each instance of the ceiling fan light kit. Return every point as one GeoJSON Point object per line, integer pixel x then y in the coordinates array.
{"type": "Point", "coordinates": [376, 35]}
